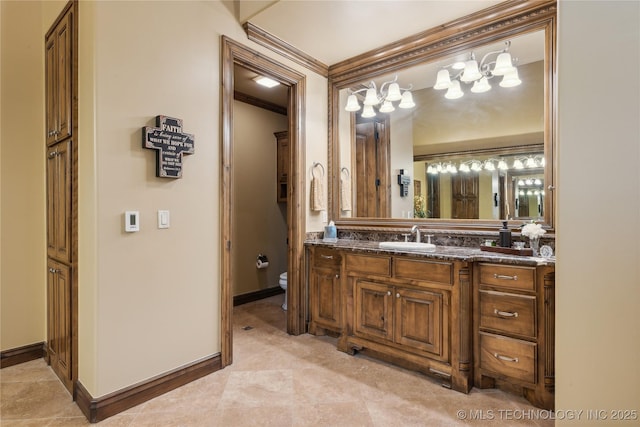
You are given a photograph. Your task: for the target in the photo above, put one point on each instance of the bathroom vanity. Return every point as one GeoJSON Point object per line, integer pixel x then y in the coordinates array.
{"type": "Point", "coordinates": [460, 315]}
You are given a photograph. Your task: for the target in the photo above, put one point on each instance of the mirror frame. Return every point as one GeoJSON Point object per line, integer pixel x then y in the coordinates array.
{"type": "Point", "coordinates": [500, 22]}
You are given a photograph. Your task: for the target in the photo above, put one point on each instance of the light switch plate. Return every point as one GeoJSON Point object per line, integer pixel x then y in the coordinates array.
{"type": "Point", "coordinates": [164, 220]}
{"type": "Point", "coordinates": [131, 221]}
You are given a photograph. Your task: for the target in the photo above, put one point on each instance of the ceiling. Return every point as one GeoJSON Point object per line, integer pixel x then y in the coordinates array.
{"type": "Point", "coordinates": [335, 30]}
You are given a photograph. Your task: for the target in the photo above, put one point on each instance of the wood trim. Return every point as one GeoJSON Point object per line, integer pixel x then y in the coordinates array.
{"type": "Point", "coordinates": [257, 295]}
{"type": "Point", "coordinates": [22, 354]}
{"type": "Point", "coordinates": [98, 409]}
{"type": "Point", "coordinates": [268, 40]}
{"type": "Point", "coordinates": [260, 103]}
{"type": "Point", "coordinates": [235, 53]}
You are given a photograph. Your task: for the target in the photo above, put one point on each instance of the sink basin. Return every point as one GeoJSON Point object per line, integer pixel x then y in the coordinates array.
{"type": "Point", "coordinates": [409, 246]}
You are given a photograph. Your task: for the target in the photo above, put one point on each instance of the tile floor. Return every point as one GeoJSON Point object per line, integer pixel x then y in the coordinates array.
{"type": "Point", "coordinates": [277, 380]}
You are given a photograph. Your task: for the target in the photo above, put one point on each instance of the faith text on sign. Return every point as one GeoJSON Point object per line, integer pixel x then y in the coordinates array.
{"type": "Point", "coordinates": [170, 143]}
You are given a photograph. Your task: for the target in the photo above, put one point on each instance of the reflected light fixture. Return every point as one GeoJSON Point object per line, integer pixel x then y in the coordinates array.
{"type": "Point", "coordinates": [490, 165]}
{"type": "Point", "coordinates": [265, 81]}
{"type": "Point", "coordinates": [389, 92]}
{"type": "Point", "coordinates": [478, 73]}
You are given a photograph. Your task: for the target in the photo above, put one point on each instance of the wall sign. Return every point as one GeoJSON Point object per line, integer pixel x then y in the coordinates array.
{"type": "Point", "coordinates": [170, 144]}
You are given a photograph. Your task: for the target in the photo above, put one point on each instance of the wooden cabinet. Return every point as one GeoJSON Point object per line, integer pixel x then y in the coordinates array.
{"type": "Point", "coordinates": [515, 328]}
{"type": "Point", "coordinates": [412, 318]}
{"type": "Point", "coordinates": [59, 170]}
{"type": "Point", "coordinates": [410, 310]}
{"type": "Point", "coordinates": [61, 75]}
{"type": "Point", "coordinates": [58, 79]}
{"type": "Point", "coordinates": [282, 173]}
{"type": "Point", "coordinates": [325, 298]}
{"type": "Point", "coordinates": [59, 329]}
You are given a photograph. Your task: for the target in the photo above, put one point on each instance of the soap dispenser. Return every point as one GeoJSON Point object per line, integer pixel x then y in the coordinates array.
{"type": "Point", "coordinates": [505, 236]}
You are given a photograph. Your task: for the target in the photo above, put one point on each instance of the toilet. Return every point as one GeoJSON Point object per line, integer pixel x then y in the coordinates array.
{"type": "Point", "coordinates": [283, 285]}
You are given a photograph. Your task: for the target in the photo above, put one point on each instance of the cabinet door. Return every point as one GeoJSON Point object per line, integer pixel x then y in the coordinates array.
{"type": "Point", "coordinates": [59, 319]}
{"type": "Point", "coordinates": [420, 320]}
{"type": "Point", "coordinates": [59, 201]}
{"type": "Point", "coordinates": [373, 310]}
{"type": "Point", "coordinates": [326, 309]}
{"type": "Point", "coordinates": [58, 65]}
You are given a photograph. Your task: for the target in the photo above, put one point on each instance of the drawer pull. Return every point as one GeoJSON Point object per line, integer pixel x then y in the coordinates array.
{"type": "Point", "coordinates": [326, 256]}
{"type": "Point", "coordinates": [505, 358]}
{"type": "Point", "coordinates": [504, 277]}
{"type": "Point", "coordinates": [505, 313]}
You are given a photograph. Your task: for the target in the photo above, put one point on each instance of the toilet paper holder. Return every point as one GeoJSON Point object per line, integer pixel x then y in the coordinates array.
{"type": "Point", "coordinates": [262, 261]}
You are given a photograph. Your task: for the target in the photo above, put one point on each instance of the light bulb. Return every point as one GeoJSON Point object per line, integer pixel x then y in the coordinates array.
{"type": "Point", "coordinates": [368, 112]}
{"type": "Point", "coordinates": [352, 103]}
{"type": "Point", "coordinates": [443, 80]}
{"type": "Point", "coordinates": [407, 100]}
{"type": "Point", "coordinates": [454, 91]}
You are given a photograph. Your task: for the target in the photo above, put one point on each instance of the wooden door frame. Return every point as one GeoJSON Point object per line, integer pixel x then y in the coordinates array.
{"type": "Point", "coordinates": [236, 53]}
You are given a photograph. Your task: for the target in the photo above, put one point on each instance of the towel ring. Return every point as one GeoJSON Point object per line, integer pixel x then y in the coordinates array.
{"type": "Point", "coordinates": [313, 168]}
{"type": "Point", "coordinates": [345, 171]}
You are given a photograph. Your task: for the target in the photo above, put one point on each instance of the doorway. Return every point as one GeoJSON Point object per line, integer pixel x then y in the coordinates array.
{"type": "Point", "coordinates": [234, 54]}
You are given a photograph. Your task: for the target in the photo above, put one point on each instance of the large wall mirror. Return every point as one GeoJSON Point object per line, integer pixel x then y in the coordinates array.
{"type": "Point", "coordinates": [464, 154]}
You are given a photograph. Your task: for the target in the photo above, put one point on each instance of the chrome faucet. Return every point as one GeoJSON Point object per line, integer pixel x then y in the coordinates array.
{"type": "Point", "coordinates": [415, 229]}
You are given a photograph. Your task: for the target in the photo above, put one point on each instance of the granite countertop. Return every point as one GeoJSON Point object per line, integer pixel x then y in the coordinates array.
{"type": "Point", "coordinates": [448, 253]}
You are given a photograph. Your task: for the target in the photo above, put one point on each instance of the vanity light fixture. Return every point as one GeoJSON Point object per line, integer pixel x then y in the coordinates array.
{"type": "Point", "coordinates": [265, 81]}
{"type": "Point", "coordinates": [478, 74]}
{"type": "Point", "coordinates": [389, 92]}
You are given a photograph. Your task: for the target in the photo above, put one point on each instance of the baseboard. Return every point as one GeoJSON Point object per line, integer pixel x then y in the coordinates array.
{"type": "Point", "coordinates": [22, 354]}
{"type": "Point", "coordinates": [101, 408]}
{"type": "Point", "coordinates": [257, 295]}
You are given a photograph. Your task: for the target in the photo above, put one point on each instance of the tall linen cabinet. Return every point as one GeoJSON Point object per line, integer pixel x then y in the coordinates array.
{"type": "Point", "coordinates": [62, 200]}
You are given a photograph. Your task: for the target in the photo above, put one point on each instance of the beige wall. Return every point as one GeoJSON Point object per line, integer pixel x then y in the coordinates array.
{"type": "Point", "coordinates": [149, 301]}
{"type": "Point", "coordinates": [259, 221]}
{"type": "Point", "coordinates": [23, 247]}
{"type": "Point", "coordinates": [598, 276]}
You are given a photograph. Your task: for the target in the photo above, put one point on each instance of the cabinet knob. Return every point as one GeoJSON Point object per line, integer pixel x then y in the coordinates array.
{"type": "Point", "coordinates": [389, 293]}
{"type": "Point", "coordinates": [53, 270]}
{"type": "Point", "coordinates": [337, 276]}
{"type": "Point", "coordinates": [397, 295]}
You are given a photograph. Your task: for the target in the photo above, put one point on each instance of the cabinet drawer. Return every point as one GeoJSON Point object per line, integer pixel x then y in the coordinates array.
{"type": "Point", "coordinates": [323, 257]}
{"type": "Point", "coordinates": [380, 266]}
{"type": "Point", "coordinates": [430, 271]}
{"type": "Point", "coordinates": [508, 357]}
{"type": "Point", "coordinates": [513, 314]}
{"type": "Point", "coordinates": [507, 276]}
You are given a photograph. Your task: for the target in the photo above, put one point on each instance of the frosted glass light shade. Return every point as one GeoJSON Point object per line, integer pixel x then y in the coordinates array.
{"type": "Point", "coordinates": [352, 103]}
{"type": "Point", "coordinates": [387, 107]}
{"type": "Point", "coordinates": [454, 91]}
{"type": "Point", "coordinates": [371, 98]}
{"type": "Point", "coordinates": [471, 72]}
{"type": "Point", "coordinates": [443, 80]}
{"type": "Point", "coordinates": [368, 111]}
{"type": "Point", "coordinates": [394, 93]}
{"type": "Point", "coordinates": [502, 165]}
{"type": "Point", "coordinates": [510, 79]}
{"type": "Point", "coordinates": [407, 100]}
{"type": "Point", "coordinates": [517, 164]}
{"type": "Point", "coordinates": [480, 86]}
{"type": "Point", "coordinates": [503, 64]}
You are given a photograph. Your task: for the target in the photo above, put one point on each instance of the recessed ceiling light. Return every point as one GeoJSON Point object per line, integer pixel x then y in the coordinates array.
{"type": "Point", "coordinates": [266, 81]}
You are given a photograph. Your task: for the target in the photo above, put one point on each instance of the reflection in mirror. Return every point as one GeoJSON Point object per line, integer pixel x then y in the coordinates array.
{"type": "Point", "coordinates": [450, 158]}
